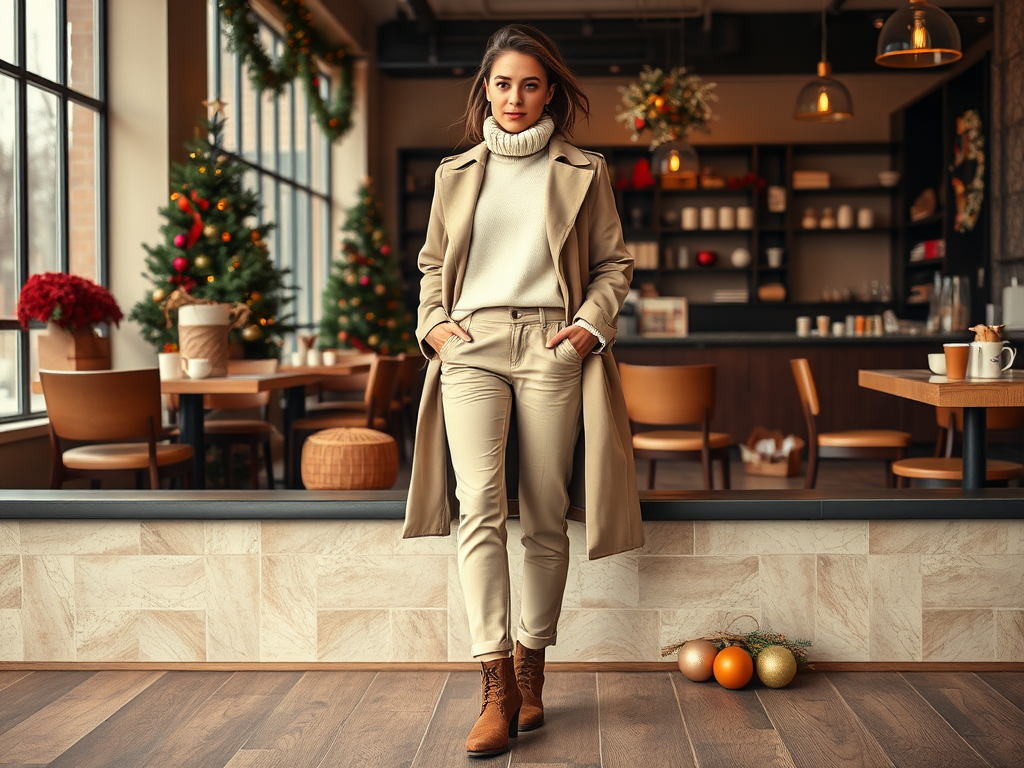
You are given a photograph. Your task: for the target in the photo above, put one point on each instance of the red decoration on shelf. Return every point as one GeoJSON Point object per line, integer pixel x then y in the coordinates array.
{"type": "Point", "coordinates": [642, 177]}
{"type": "Point", "coordinates": [706, 258]}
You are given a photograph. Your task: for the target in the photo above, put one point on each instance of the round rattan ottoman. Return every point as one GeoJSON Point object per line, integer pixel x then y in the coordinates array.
{"type": "Point", "coordinates": [349, 458]}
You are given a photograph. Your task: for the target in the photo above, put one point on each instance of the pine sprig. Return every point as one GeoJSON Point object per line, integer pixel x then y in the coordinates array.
{"type": "Point", "coordinates": [752, 642]}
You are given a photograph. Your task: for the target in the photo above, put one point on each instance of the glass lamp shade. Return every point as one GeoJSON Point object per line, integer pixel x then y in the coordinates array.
{"type": "Point", "coordinates": [919, 35]}
{"type": "Point", "coordinates": [675, 157]}
{"type": "Point", "coordinates": [823, 100]}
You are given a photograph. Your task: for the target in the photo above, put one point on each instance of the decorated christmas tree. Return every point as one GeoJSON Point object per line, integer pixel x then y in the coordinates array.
{"type": "Point", "coordinates": [363, 307]}
{"type": "Point", "coordinates": [212, 250]}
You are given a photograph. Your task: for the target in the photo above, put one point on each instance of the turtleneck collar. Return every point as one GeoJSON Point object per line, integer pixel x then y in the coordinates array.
{"type": "Point", "coordinates": [521, 144]}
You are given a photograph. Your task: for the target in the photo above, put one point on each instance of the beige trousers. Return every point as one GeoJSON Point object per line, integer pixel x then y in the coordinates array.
{"type": "Point", "coordinates": [508, 359]}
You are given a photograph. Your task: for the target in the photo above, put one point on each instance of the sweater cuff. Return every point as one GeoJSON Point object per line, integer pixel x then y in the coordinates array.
{"type": "Point", "coordinates": [601, 342]}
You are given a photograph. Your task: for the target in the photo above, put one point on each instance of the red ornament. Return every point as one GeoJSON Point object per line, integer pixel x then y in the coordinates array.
{"type": "Point", "coordinates": [385, 249]}
{"type": "Point", "coordinates": [639, 123]}
{"type": "Point", "coordinates": [642, 177]}
{"type": "Point", "coordinates": [180, 263]}
{"type": "Point", "coordinates": [364, 280]}
{"type": "Point", "coordinates": [315, 81]}
{"type": "Point", "coordinates": [179, 240]}
{"type": "Point", "coordinates": [706, 258]}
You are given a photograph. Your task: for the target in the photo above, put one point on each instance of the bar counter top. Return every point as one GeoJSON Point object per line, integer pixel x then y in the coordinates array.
{"type": "Point", "coordinates": [788, 339]}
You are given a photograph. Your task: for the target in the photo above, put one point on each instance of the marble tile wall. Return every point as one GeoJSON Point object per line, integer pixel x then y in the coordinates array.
{"type": "Point", "coordinates": [309, 591]}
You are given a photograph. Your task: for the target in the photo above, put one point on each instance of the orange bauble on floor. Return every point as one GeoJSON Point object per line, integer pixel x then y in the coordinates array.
{"type": "Point", "coordinates": [733, 667]}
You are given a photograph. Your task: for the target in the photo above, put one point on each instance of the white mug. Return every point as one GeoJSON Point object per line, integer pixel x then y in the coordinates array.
{"type": "Point", "coordinates": [986, 359]}
{"type": "Point", "coordinates": [197, 367]}
{"type": "Point", "coordinates": [691, 218]}
{"type": "Point", "coordinates": [170, 365]}
{"type": "Point", "coordinates": [313, 357]}
{"type": "Point", "coordinates": [330, 357]}
{"type": "Point", "coordinates": [726, 217]}
{"type": "Point", "coordinates": [708, 217]}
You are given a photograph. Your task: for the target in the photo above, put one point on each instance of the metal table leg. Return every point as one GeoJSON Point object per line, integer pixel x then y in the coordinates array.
{"type": "Point", "coordinates": [294, 409]}
{"type": "Point", "coordinates": [190, 417]}
{"type": "Point", "coordinates": [974, 448]}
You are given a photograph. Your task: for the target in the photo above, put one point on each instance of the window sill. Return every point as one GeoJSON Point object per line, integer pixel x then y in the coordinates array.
{"type": "Point", "coordinates": [23, 430]}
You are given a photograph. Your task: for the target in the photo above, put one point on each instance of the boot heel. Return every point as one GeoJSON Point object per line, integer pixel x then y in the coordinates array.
{"type": "Point", "coordinates": [513, 726]}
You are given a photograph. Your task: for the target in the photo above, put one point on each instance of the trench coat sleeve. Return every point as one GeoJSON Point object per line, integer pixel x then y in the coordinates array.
{"type": "Point", "coordinates": [611, 266]}
{"type": "Point", "coordinates": [431, 258]}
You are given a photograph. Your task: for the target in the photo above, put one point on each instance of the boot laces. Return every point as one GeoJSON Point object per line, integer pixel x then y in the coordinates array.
{"type": "Point", "coordinates": [493, 689]}
{"type": "Point", "coordinates": [529, 668]}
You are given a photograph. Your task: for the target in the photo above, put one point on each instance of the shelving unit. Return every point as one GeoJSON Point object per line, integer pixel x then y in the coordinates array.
{"type": "Point", "coordinates": [926, 132]}
{"type": "Point", "coordinates": [854, 170]}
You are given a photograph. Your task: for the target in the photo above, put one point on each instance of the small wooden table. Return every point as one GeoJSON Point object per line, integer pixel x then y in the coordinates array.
{"type": "Point", "coordinates": [190, 412]}
{"type": "Point", "coordinates": [973, 395]}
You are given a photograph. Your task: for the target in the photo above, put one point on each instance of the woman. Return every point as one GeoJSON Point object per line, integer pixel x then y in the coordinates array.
{"type": "Point", "coordinates": [524, 274]}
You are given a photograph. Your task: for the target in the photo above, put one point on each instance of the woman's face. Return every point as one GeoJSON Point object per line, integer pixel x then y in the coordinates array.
{"type": "Point", "coordinates": [518, 91]}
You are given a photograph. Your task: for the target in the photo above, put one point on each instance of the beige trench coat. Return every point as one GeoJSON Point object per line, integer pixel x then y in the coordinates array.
{"type": "Point", "coordinates": [594, 271]}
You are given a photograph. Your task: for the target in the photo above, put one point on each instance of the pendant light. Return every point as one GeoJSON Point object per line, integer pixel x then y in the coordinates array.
{"type": "Point", "coordinates": [823, 100]}
{"type": "Point", "coordinates": [677, 157]}
{"type": "Point", "coordinates": [919, 35]}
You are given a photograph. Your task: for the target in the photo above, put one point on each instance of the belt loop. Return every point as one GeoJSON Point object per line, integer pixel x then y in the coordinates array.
{"type": "Point", "coordinates": [543, 318]}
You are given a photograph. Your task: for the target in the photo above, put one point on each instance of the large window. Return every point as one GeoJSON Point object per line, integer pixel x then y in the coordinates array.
{"type": "Point", "coordinates": [290, 162]}
{"type": "Point", "coordinates": [52, 166]}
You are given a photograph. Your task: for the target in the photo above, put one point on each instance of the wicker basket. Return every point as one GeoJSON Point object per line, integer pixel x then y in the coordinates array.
{"type": "Point", "coordinates": [349, 458]}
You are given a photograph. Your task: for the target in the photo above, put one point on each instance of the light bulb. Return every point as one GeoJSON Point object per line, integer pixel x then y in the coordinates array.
{"type": "Point", "coordinates": [673, 162]}
{"type": "Point", "coordinates": [823, 101]}
{"type": "Point", "coordinates": [920, 38]}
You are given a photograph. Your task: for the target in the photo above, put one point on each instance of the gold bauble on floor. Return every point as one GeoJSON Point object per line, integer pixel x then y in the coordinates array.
{"type": "Point", "coordinates": [697, 659]}
{"type": "Point", "coordinates": [776, 666]}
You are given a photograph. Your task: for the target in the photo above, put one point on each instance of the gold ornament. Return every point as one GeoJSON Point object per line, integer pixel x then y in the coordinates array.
{"type": "Point", "coordinates": [374, 340]}
{"type": "Point", "coordinates": [380, 290]}
{"type": "Point", "coordinates": [192, 155]}
{"type": "Point", "coordinates": [202, 169]}
{"type": "Point", "coordinates": [696, 660]}
{"type": "Point", "coordinates": [252, 333]}
{"type": "Point", "coordinates": [356, 301]}
{"type": "Point", "coordinates": [342, 303]}
{"type": "Point", "coordinates": [210, 231]}
{"type": "Point", "coordinates": [202, 262]}
{"type": "Point", "coordinates": [776, 666]}
{"type": "Point", "coordinates": [350, 278]}
{"type": "Point", "coordinates": [209, 278]}
{"type": "Point", "coordinates": [159, 294]}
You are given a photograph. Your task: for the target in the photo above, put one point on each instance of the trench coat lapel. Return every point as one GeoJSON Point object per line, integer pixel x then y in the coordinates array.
{"type": "Point", "coordinates": [460, 188]}
{"type": "Point", "coordinates": [569, 175]}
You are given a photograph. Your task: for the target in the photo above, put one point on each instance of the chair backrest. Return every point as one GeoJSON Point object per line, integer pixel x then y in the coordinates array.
{"type": "Point", "coordinates": [805, 385]}
{"type": "Point", "coordinates": [996, 419]}
{"type": "Point", "coordinates": [239, 402]}
{"type": "Point", "coordinates": [97, 406]}
{"type": "Point", "coordinates": [380, 390]}
{"type": "Point", "coordinates": [355, 382]}
{"type": "Point", "coordinates": [407, 376]}
{"type": "Point", "coordinates": [668, 395]}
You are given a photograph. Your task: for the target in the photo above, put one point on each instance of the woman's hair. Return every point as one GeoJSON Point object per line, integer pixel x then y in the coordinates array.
{"type": "Point", "coordinates": [568, 101]}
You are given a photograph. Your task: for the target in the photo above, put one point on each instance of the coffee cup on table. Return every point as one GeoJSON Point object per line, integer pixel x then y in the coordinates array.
{"type": "Point", "coordinates": [986, 359]}
{"type": "Point", "coordinates": [937, 363]}
{"type": "Point", "coordinates": [803, 326]}
{"type": "Point", "coordinates": [197, 367]}
{"type": "Point", "coordinates": [956, 360]}
{"type": "Point", "coordinates": [170, 365]}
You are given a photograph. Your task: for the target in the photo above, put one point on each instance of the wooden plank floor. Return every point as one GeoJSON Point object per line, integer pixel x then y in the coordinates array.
{"type": "Point", "coordinates": [400, 719]}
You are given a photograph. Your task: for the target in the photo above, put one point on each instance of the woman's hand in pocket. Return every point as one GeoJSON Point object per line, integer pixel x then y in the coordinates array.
{"type": "Point", "coordinates": [440, 333]}
{"type": "Point", "coordinates": [582, 340]}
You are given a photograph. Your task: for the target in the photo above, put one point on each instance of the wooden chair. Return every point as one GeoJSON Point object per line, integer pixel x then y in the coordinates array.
{"type": "Point", "coordinates": [886, 444]}
{"type": "Point", "coordinates": [254, 433]}
{"type": "Point", "coordinates": [997, 420]}
{"type": "Point", "coordinates": [105, 409]}
{"type": "Point", "coordinates": [403, 412]}
{"type": "Point", "coordinates": [670, 396]}
{"type": "Point", "coordinates": [349, 390]}
{"type": "Point", "coordinates": [375, 413]}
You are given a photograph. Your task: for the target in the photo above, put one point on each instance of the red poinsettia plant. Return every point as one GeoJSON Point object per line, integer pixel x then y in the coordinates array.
{"type": "Point", "coordinates": [67, 300]}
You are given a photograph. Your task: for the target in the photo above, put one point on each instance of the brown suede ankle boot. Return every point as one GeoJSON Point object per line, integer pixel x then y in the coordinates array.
{"type": "Point", "coordinates": [530, 676]}
{"type": "Point", "coordinates": [499, 711]}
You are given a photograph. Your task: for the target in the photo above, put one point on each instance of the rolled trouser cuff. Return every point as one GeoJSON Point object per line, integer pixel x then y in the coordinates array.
{"type": "Point", "coordinates": [533, 642]}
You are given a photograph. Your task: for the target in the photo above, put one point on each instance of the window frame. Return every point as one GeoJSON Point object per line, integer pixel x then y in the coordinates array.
{"type": "Point", "coordinates": [65, 95]}
{"type": "Point", "coordinates": [271, 181]}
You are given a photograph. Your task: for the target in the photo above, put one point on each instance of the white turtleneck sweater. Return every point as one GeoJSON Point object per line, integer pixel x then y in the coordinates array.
{"type": "Point", "coordinates": [509, 262]}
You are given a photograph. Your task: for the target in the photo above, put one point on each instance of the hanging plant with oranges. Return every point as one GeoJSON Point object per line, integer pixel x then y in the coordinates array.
{"type": "Point", "coordinates": [669, 106]}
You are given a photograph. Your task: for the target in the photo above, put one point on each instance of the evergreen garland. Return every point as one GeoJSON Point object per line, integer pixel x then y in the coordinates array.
{"type": "Point", "coordinates": [669, 106]}
{"type": "Point", "coordinates": [303, 42]}
{"type": "Point", "coordinates": [752, 642]}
